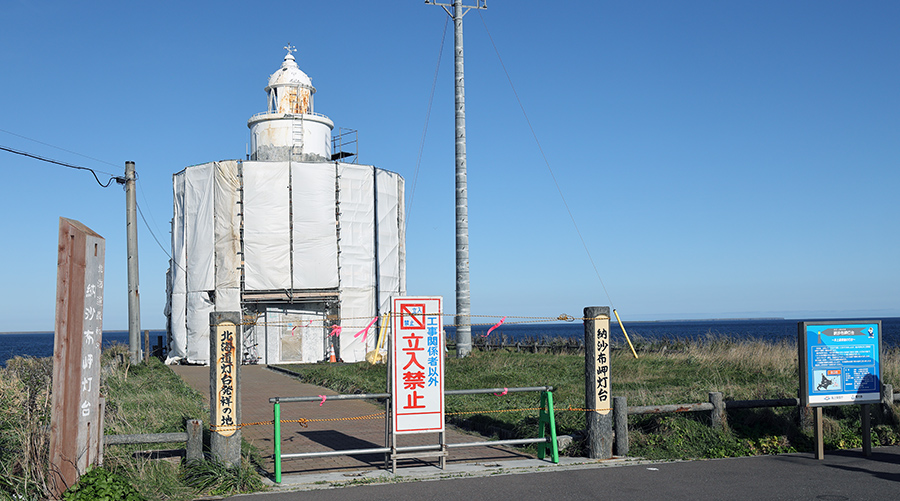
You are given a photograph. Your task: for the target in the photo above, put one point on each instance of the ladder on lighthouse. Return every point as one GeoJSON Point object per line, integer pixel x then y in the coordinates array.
{"type": "Point", "coordinates": [297, 136]}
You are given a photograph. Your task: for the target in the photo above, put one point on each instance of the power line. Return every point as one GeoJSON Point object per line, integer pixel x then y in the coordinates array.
{"type": "Point", "coordinates": [547, 162]}
{"type": "Point", "coordinates": [62, 149]}
{"type": "Point", "coordinates": [154, 236]}
{"type": "Point", "coordinates": [118, 179]}
{"type": "Point", "coordinates": [412, 194]}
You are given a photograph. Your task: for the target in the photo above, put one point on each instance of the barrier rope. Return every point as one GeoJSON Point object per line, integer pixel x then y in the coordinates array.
{"type": "Point", "coordinates": [511, 320]}
{"type": "Point", "coordinates": [305, 422]}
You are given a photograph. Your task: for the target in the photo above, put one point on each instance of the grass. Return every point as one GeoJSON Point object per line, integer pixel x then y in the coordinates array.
{"type": "Point", "coordinates": [140, 398]}
{"type": "Point", "coordinates": [666, 372]}
{"type": "Point", "coordinates": [24, 419]}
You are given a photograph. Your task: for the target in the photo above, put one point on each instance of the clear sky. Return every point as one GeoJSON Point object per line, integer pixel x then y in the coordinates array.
{"type": "Point", "coordinates": [721, 159]}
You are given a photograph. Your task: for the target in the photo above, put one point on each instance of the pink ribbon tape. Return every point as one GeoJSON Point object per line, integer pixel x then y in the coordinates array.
{"type": "Point", "coordinates": [498, 324]}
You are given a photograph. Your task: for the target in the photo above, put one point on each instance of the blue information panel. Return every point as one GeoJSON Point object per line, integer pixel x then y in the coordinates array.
{"type": "Point", "coordinates": [840, 363]}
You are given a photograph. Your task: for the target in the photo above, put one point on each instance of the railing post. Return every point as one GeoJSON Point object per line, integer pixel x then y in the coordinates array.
{"type": "Point", "coordinates": [194, 446]}
{"type": "Point", "coordinates": [717, 417]}
{"type": "Point", "coordinates": [277, 410]}
{"type": "Point", "coordinates": [547, 424]}
{"type": "Point", "coordinates": [620, 421]}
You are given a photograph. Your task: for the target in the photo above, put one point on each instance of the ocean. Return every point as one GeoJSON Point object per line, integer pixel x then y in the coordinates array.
{"type": "Point", "coordinates": [768, 329]}
{"type": "Point", "coordinates": [40, 344]}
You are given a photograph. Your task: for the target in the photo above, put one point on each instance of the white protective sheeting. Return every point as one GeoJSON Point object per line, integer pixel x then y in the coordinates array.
{"type": "Point", "coordinates": [178, 324]}
{"type": "Point", "coordinates": [390, 218]}
{"type": "Point", "coordinates": [357, 225]}
{"type": "Point", "coordinates": [177, 277]}
{"type": "Point", "coordinates": [178, 268]}
{"type": "Point", "coordinates": [199, 229]}
{"type": "Point", "coordinates": [315, 260]}
{"type": "Point", "coordinates": [267, 242]}
{"type": "Point", "coordinates": [285, 206]}
{"type": "Point", "coordinates": [357, 310]}
{"type": "Point", "coordinates": [199, 306]}
{"type": "Point", "coordinates": [228, 238]}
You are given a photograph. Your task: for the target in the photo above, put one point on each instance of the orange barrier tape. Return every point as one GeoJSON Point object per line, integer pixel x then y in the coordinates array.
{"type": "Point", "coordinates": [305, 422]}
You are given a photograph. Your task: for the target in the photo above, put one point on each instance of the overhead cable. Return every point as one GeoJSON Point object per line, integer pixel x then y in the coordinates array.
{"type": "Point", "coordinates": [412, 194]}
{"type": "Point", "coordinates": [546, 161]}
{"type": "Point", "coordinates": [118, 179]}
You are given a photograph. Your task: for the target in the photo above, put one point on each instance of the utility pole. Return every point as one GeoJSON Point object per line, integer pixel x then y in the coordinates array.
{"type": "Point", "coordinates": [463, 304]}
{"type": "Point", "coordinates": [134, 297]}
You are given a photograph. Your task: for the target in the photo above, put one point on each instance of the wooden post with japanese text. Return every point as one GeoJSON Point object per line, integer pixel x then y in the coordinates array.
{"type": "Point", "coordinates": [598, 390]}
{"type": "Point", "coordinates": [75, 413]}
{"type": "Point", "coordinates": [224, 387]}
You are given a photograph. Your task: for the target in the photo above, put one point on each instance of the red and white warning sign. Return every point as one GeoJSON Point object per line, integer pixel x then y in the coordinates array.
{"type": "Point", "coordinates": [417, 365]}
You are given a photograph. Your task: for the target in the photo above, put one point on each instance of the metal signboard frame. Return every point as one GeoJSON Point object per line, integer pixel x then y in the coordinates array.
{"type": "Point", "coordinates": [840, 362]}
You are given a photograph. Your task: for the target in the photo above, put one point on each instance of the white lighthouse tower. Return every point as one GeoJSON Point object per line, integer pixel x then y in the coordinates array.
{"type": "Point", "coordinates": [290, 129]}
{"type": "Point", "coordinates": [308, 248]}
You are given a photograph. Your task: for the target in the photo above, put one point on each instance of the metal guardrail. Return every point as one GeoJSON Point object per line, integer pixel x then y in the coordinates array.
{"type": "Point", "coordinates": [546, 422]}
{"type": "Point", "coordinates": [280, 115]}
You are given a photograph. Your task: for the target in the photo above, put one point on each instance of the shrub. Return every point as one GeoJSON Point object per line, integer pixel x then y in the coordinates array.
{"type": "Point", "coordinates": [99, 484]}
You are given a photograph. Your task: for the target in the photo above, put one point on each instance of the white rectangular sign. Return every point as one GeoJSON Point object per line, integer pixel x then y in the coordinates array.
{"type": "Point", "coordinates": [417, 365]}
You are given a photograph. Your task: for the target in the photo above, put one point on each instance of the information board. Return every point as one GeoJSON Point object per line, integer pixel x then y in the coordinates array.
{"type": "Point", "coordinates": [840, 363]}
{"type": "Point", "coordinates": [417, 365]}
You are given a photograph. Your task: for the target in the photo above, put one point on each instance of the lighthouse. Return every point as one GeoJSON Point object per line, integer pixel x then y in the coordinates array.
{"type": "Point", "coordinates": [307, 246]}
{"type": "Point", "coordinates": [290, 129]}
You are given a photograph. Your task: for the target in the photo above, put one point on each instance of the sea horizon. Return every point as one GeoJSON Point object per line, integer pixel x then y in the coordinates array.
{"type": "Point", "coordinates": [555, 322]}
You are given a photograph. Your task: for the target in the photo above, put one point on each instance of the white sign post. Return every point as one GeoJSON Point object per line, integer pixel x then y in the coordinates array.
{"type": "Point", "coordinates": [417, 369]}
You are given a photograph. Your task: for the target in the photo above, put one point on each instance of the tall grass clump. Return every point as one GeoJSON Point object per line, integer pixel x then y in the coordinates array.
{"type": "Point", "coordinates": [25, 404]}
{"type": "Point", "coordinates": [150, 398]}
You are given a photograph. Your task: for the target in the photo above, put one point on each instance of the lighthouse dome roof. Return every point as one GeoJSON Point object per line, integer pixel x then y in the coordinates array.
{"type": "Point", "coordinates": [289, 73]}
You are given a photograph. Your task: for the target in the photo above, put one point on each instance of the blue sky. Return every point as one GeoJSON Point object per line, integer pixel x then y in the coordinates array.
{"type": "Point", "coordinates": [721, 159]}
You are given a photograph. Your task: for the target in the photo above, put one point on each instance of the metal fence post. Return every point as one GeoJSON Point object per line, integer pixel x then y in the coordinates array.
{"type": "Point", "coordinates": [277, 438]}
{"type": "Point", "coordinates": [194, 447]}
{"type": "Point", "coordinates": [620, 421]}
{"type": "Point", "coordinates": [718, 418]}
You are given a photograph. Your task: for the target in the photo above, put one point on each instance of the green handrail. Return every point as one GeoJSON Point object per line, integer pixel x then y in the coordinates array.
{"type": "Point", "coordinates": [277, 442]}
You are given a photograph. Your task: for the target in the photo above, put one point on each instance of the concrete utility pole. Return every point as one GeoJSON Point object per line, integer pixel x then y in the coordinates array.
{"type": "Point", "coordinates": [134, 297]}
{"type": "Point", "coordinates": [463, 305]}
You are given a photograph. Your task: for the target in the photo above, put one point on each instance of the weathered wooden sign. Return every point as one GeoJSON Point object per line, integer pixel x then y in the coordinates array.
{"type": "Point", "coordinates": [224, 386]}
{"type": "Point", "coordinates": [76, 413]}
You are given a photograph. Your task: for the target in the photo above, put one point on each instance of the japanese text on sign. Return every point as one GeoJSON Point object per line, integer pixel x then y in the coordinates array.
{"type": "Point", "coordinates": [417, 365]}
{"type": "Point", "coordinates": [602, 340]}
{"type": "Point", "coordinates": [225, 415]}
{"type": "Point", "coordinates": [840, 362]}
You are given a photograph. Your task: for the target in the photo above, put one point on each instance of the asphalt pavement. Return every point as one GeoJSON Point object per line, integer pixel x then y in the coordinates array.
{"type": "Point", "coordinates": [842, 475]}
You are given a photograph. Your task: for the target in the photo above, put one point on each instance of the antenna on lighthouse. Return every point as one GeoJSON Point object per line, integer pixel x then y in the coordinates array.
{"type": "Point", "coordinates": [463, 303]}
